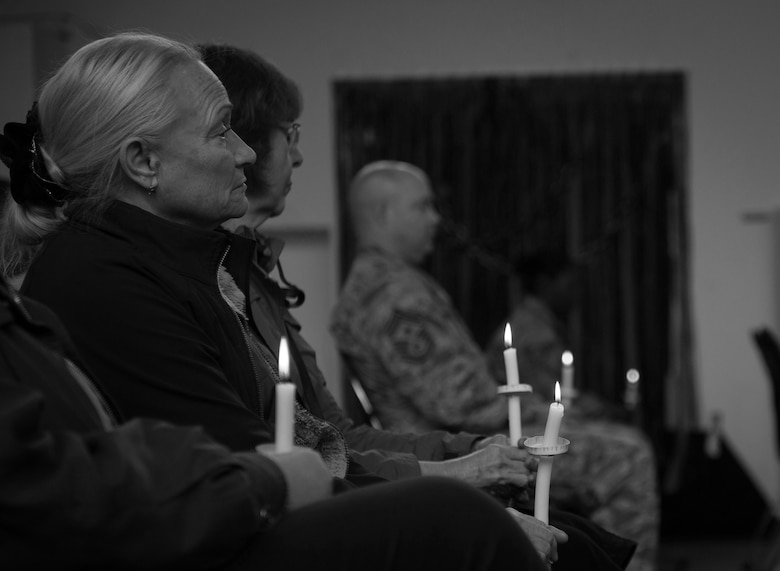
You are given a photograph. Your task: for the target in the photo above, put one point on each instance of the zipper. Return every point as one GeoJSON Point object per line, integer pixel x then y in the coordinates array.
{"type": "Point", "coordinates": [241, 325]}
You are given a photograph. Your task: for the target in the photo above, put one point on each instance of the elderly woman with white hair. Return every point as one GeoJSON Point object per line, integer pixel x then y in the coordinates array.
{"type": "Point", "coordinates": [120, 180]}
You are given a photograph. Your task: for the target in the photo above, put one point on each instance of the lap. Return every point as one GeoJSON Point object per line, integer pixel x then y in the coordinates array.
{"type": "Point", "coordinates": [424, 523]}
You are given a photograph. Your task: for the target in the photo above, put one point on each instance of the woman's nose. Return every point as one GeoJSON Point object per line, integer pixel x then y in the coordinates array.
{"type": "Point", "coordinates": [297, 156]}
{"type": "Point", "coordinates": [244, 154]}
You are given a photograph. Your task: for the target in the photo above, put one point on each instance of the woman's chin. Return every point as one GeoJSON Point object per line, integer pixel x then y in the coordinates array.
{"type": "Point", "coordinates": [279, 207]}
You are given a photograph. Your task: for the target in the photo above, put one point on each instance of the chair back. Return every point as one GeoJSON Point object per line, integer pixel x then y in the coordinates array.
{"type": "Point", "coordinates": [769, 349]}
{"type": "Point", "coordinates": [358, 405]}
{"type": "Point", "coordinates": [365, 403]}
{"type": "Point", "coordinates": [768, 557]}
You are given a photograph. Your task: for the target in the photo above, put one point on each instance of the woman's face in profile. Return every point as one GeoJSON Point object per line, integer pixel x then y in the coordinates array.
{"type": "Point", "coordinates": [270, 180]}
{"type": "Point", "coordinates": [201, 180]}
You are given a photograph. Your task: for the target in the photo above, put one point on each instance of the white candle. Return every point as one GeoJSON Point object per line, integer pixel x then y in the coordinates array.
{"type": "Point", "coordinates": [544, 471]}
{"type": "Point", "coordinates": [554, 418]}
{"type": "Point", "coordinates": [285, 402]}
{"type": "Point", "coordinates": [567, 376]}
{"type": "Point", "coordinates": [512, 378]}
{"type": "Point", "coordinates": [631, 398]}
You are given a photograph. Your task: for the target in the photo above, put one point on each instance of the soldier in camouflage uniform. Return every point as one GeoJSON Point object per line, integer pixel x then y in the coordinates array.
{"type": "Point", "coordinates": [423, 370]}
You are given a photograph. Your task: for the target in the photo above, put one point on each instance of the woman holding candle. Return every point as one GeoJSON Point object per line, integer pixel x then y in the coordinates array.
{"type": "Point", "coordinates": [266, 104]}
{"type": "Point", "coordinates": [159, 306]}
{"type": "Point", "coordinates": [74, 478]}
{"type": "Point", "coordinates": [126, 176]}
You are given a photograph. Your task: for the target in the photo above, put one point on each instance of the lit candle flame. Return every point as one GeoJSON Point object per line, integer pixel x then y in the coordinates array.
{"type": "Point", "coordinates": [632, 376]}
{"type": "Point", "coordinates": [557, 391]}
{"type": "Point", "coordinates": [284, 360]}
{"type": "Point", "coordinates": [567, 358]}
{"type": "Point", "coordinates": [507, 336]}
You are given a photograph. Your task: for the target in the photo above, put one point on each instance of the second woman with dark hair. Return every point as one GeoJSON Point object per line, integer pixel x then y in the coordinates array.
{"type": "Point", "coordinates": [267, 106]}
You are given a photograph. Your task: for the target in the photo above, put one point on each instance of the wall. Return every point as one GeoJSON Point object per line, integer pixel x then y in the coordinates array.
{"type": "Point", "coordinates": [16, 60]}
{"type": "Point", "coordinates": [730, 51]}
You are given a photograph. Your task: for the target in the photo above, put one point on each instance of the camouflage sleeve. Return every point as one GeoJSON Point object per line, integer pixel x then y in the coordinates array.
{"type": "Point", "coordinates": [436, 365]}
{"type": "Point", "coordinates": [388, 454]}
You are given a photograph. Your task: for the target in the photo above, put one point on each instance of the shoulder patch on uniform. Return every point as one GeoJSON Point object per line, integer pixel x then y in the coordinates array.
{"type": "Point", "coordinates": [408, 335]}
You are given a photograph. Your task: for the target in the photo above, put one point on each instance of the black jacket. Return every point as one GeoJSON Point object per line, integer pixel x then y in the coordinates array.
{"type": "Point", "coordinates": [139, 296]}
{"type": "Point", "coordinates": [141, 299]}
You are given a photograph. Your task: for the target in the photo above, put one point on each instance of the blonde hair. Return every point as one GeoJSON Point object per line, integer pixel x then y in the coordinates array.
{"type": "Point", "coordinates": [111, 89]}
{"type": "Point", "coordinates": [19, 248]}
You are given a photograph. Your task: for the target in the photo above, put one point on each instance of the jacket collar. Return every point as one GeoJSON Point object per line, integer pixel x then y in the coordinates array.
{"type": "Point", "coordinates": [191, 251]}
{"type": "Point", "coordinates": [268, 248]}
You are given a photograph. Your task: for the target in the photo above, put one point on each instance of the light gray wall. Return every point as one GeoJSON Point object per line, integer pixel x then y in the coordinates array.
{"type": "Point", "coordinates": [730, 50]}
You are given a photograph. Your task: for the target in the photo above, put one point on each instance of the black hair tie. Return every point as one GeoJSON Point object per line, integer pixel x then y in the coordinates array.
{"type": "Point", "coordinates": [20, 151]}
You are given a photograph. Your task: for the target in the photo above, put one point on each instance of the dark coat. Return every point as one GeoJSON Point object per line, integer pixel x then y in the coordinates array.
{"type": "Point", "coordinates": [139, 296]}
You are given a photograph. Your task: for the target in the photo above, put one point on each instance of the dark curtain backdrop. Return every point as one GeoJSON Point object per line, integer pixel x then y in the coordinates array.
{"type": "Point", "coordinates": [590, 165]}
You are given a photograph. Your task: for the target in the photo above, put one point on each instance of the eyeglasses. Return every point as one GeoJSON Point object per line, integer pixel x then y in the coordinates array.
{"type": "Point", "coordinates": [293, 133]}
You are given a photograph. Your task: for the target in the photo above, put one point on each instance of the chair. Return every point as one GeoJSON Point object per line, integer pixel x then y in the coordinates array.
{"type": "Point", "coordinates": [365, 403]}
{"type": "Point", "coordinates": [769, 349]}
{"type": "Point", "coordinates": [358, 404]}
{"type": "Point", "coordinates": [770, 352]}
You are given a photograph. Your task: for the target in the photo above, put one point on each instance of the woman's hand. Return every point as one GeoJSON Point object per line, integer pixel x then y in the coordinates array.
{"type": "Point", "coordinates": [545, 538]}
{"type": "Point", "coordinates": [489, 465]}
{"type": "Point", "coordinates": [308, 479]}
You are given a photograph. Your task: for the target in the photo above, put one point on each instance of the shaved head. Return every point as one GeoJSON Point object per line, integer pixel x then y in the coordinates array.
{"type": "Point", "coordinates": [387, 170]}
{"type": "Point", "coordinates": [375, 186]}
{"type": "Point", "coordinates": [391, 205]}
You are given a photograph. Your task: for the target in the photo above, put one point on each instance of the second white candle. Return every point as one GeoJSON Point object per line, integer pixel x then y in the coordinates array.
{"type": "Point", "coordinates": [544, 471]}
{"type": "Point", "coordinates": [512, 378]}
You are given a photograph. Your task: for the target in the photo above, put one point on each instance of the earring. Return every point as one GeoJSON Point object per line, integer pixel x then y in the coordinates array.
{"type": "Point", "coordinates": [152, 188]}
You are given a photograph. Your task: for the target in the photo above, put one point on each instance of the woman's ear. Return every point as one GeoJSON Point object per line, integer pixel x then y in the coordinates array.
{"type": "Point", "coordinates": [139, 162]}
